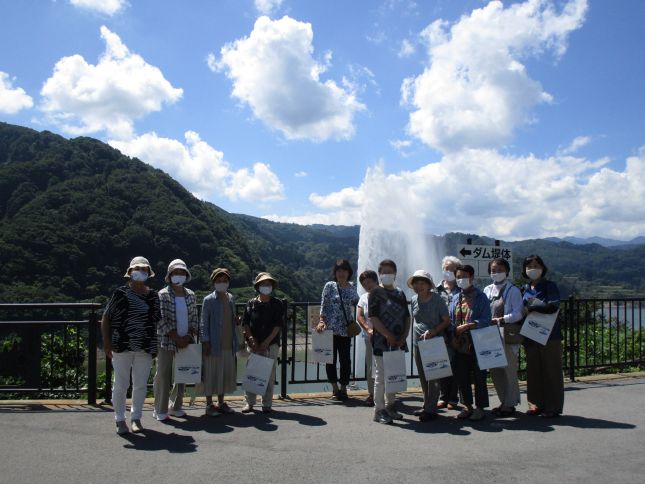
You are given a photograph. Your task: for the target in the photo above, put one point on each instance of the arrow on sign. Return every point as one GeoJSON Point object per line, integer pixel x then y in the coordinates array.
{"type": "Point", "coordinates": [465, 252]}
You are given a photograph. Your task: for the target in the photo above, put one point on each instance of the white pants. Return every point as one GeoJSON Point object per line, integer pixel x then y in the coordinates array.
{"type": "Point", "coordinates": [139, 363]}
{"type": "Point", "coordinates": [381, 399]}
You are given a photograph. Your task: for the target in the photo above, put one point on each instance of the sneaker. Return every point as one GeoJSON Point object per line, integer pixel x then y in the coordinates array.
{"type": "Point", "coordinates": [267, 410]}
{"type": "Point", "coordinates": [477, 414]}
{"type": "Point", "coordinates": [177, 413]}
{"type": "Point", "coordinates": [211, 411]}
{"type": "Point", "coordinates": [161, 417]}
{"type": "Point", "coordinates": [369, 401]}
{"type": "Point", "coordinates": [247, 408]}
{"type": "Point", "coordinates": [382, 417]}
{"type": "Point", "coordinates": [122, 428]}
{"type": "Point", "coordinates": [393, 413]}
{"type": "Point", "coordinates": [136, 426]}
{"type": "Point", "coordinates": [224, 408]}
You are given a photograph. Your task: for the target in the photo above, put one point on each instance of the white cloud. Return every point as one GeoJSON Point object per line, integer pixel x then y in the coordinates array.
{"type": "Point", "coordinates": [203, 169]}
{"type": "Point", "coordinates": [122, 87]}
{"type": "Point", "coordinates": [12, 99]}
{"type": "Point", "coordinates": [266, 7]}
{"type": "Point", "coordinates": [475, 90]}
{"type": "Point", "coordinates": [489, 193]}
{"type": "Point", "coordinates": [106, 7]}
{"type": "Point", "coordinates": [273, 71]}
{"type": "Point", "coordinates": [300, 174]}
{"type": "Point", "coordinates": [577, 143]}
{"type": "Point", "coordinates": [407, 49]}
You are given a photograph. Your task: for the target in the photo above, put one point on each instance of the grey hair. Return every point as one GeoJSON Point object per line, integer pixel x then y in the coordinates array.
{"type": "Point", "coordinates": [448, 259]}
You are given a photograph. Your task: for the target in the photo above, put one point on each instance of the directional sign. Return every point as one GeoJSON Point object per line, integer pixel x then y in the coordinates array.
{"type": "Point", "coordinates": [479, 256]}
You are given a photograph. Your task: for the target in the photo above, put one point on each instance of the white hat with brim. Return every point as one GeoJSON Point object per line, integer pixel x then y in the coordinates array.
{"type": "Point", "coordinates": [420, 274]}
{"type": "Point", "coordinates": [264, 276]}
{"type": "Point", "coordinates": [177, 264]}
{"type": "Point", "coordinates": [139, 261]}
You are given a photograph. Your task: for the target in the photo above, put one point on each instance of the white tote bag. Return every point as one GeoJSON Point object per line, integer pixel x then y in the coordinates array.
{"type": "Point", "coordinates": [538, 326]}
{"type": "Point", "coordinates": [489, 348]}
{"type": "Point", "coordinates": [258, 373]}
{"type": "Point", "coordinates": [394, 371]}
{"type": "Point", "coordinates": [188, 364]}
{"type": "Point", "coordinates": [434, 358]}
{"type": "Point", "coordinates": [322, 346]}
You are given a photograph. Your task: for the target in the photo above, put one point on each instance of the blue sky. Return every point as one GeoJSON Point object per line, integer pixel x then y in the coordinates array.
{"type": "Point", "coordinates": [508, 119]}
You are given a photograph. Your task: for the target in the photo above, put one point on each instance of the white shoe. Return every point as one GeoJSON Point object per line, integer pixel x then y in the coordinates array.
{"type": "Point", "coordinates": [122, 428]}
{"type": "Point", "coordinates": [160, 416]}
{"type": "Point", "coordinates": [177, 413]}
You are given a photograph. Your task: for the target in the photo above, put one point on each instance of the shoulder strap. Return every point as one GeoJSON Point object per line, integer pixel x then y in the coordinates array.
{"type": "Point", "coordinates": [342, 305]}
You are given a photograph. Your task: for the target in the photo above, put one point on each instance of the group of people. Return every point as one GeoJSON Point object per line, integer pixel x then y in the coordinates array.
{"type": "Point", "coordinates": [449, 310]}
{"type": "Point", "coordinates": [140, 324]}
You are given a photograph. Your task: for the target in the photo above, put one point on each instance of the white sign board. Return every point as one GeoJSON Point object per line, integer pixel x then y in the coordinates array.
{"type": "Point", "coordinates": [479, 256]}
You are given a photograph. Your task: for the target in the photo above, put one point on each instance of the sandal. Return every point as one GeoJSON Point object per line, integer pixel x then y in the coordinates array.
{"type": "Point", "coordinates": [464, 414]}
{"type": "Point", "coordinates": [533, 411]}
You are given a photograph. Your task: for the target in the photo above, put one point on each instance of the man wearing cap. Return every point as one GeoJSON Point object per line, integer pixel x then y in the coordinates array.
{"type": "Point", "coordinates": [176, 329]}
{"type": "Point", "coordinates": [263, 320]}
{"type": "Point", "coordinates": [431, 319]}
{"type": "Point", "coordinates": [129, 330]}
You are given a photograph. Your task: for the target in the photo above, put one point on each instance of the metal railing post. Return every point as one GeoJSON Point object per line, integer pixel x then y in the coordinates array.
{"type": "Point", "coordinates": [572, 345]}
{"type": "Point", "coordinates": [91, 358]}
{"type": "Point", "coordinates": [283, 349]}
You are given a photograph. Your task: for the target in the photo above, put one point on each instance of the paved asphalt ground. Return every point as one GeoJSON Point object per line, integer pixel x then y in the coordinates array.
{"type": "Point", "coordinates": [600, 439]}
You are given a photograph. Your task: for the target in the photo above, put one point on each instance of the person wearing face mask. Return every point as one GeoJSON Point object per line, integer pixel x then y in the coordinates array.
{"type": "Point", "coordinates": [507, 310]}
{"type": "Point", "coordinates": [390, 316]}
{"type": "Point", "coordinates": [175, 330]}
{"type": "Point", "coordinates": [262, 322]}
{"type": "Point", "coordinates": [469, 310]}
{"type": "Point", "coordinates": [369, 280]}
{"type": "Point", "coordinates": [129, 330]}
{"type": "Point", "coordinates": [219, 344]}
{"type": "Point", "coordinates": [544, 379]}
{"type": "Point", "coordinates": [339, 298]}
{"type": "Point", "coordinates": [447, 288]}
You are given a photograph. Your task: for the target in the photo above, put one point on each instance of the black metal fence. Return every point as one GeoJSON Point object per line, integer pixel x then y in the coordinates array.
{"type": "Point", "coordinates": [54, 350]}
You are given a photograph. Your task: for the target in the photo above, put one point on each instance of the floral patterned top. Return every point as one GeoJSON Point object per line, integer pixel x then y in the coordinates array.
{"type": "Point", "coordinates": [330, 306]}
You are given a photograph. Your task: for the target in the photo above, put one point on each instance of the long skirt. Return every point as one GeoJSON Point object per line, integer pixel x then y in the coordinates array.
{"type": "Point", "coordinates": [219, 374]}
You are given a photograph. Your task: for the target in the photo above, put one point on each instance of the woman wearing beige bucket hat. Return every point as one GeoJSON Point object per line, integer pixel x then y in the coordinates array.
{"type": "Point", "coordinates": [178, 326]}
{"type": "Point", "coordinates": [129, 329]}
{"type": "Point", "coordinates": [219, 344]}
{"type": "Point", "coordinates": [263, 320]}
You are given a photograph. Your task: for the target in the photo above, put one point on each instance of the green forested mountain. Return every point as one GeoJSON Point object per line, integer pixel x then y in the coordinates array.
{"type": "Point", "coordinates": [73, 213]}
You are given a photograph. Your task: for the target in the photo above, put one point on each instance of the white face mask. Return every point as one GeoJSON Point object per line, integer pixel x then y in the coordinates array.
{"type": "Point", "coordinates": [498, 277]}
{"type": "Point", "coordinates": [387, 279]}
{"type": "Point", "coordinates": [448, 276]}
{"type": "Point", "coordinates": [534, 273]}
{"type": "Point", "coordinates": [464, 283]}
{"type": "Point", "coordinates": [178, 279]}
{"type": "Point", "coordinates": [265, 290]}
{"type": "Point", "coordinates": [139, 276]}
{"type": "Point", "coordinates": [221, 286]}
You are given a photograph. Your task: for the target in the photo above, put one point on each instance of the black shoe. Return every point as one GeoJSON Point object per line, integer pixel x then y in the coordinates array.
{"type": "Point", "coordinates": [427, 416]}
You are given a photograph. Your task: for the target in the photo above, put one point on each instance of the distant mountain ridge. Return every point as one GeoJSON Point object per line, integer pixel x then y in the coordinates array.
{"type": "Point", "coordinates": [605, 242]}
{"type": "Point", "coordinates": [74, 211]}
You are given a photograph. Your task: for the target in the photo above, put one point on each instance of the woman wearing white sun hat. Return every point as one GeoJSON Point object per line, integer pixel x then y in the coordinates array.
{"type": "Point", "coordinates": [176, 329]}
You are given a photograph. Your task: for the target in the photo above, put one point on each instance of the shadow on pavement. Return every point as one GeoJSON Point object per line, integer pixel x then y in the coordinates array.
{"type": "Point", "coordinates": [151, 440]}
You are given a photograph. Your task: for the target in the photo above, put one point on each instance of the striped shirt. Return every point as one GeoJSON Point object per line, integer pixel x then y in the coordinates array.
{"type": "Point", "coordinates": [133, 320]}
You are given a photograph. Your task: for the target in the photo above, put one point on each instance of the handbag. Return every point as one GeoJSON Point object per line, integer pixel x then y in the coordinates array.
{"type": "Point", "coordinates": [353, 328]}
{"type": "Point", "coordinates": [188, 364]}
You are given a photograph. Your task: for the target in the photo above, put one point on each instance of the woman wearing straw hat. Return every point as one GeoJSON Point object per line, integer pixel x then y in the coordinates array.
{"type": "Point", "coordinates": [176, 329]}
{"type": "Point", "coordinates": [219, 344]}
{"type": "Point", "coordinates": [263, 320]}
{"type": "Point", "coordinates": [431, 319]}
{"type": "Point", "coordinates": [129, 329]}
